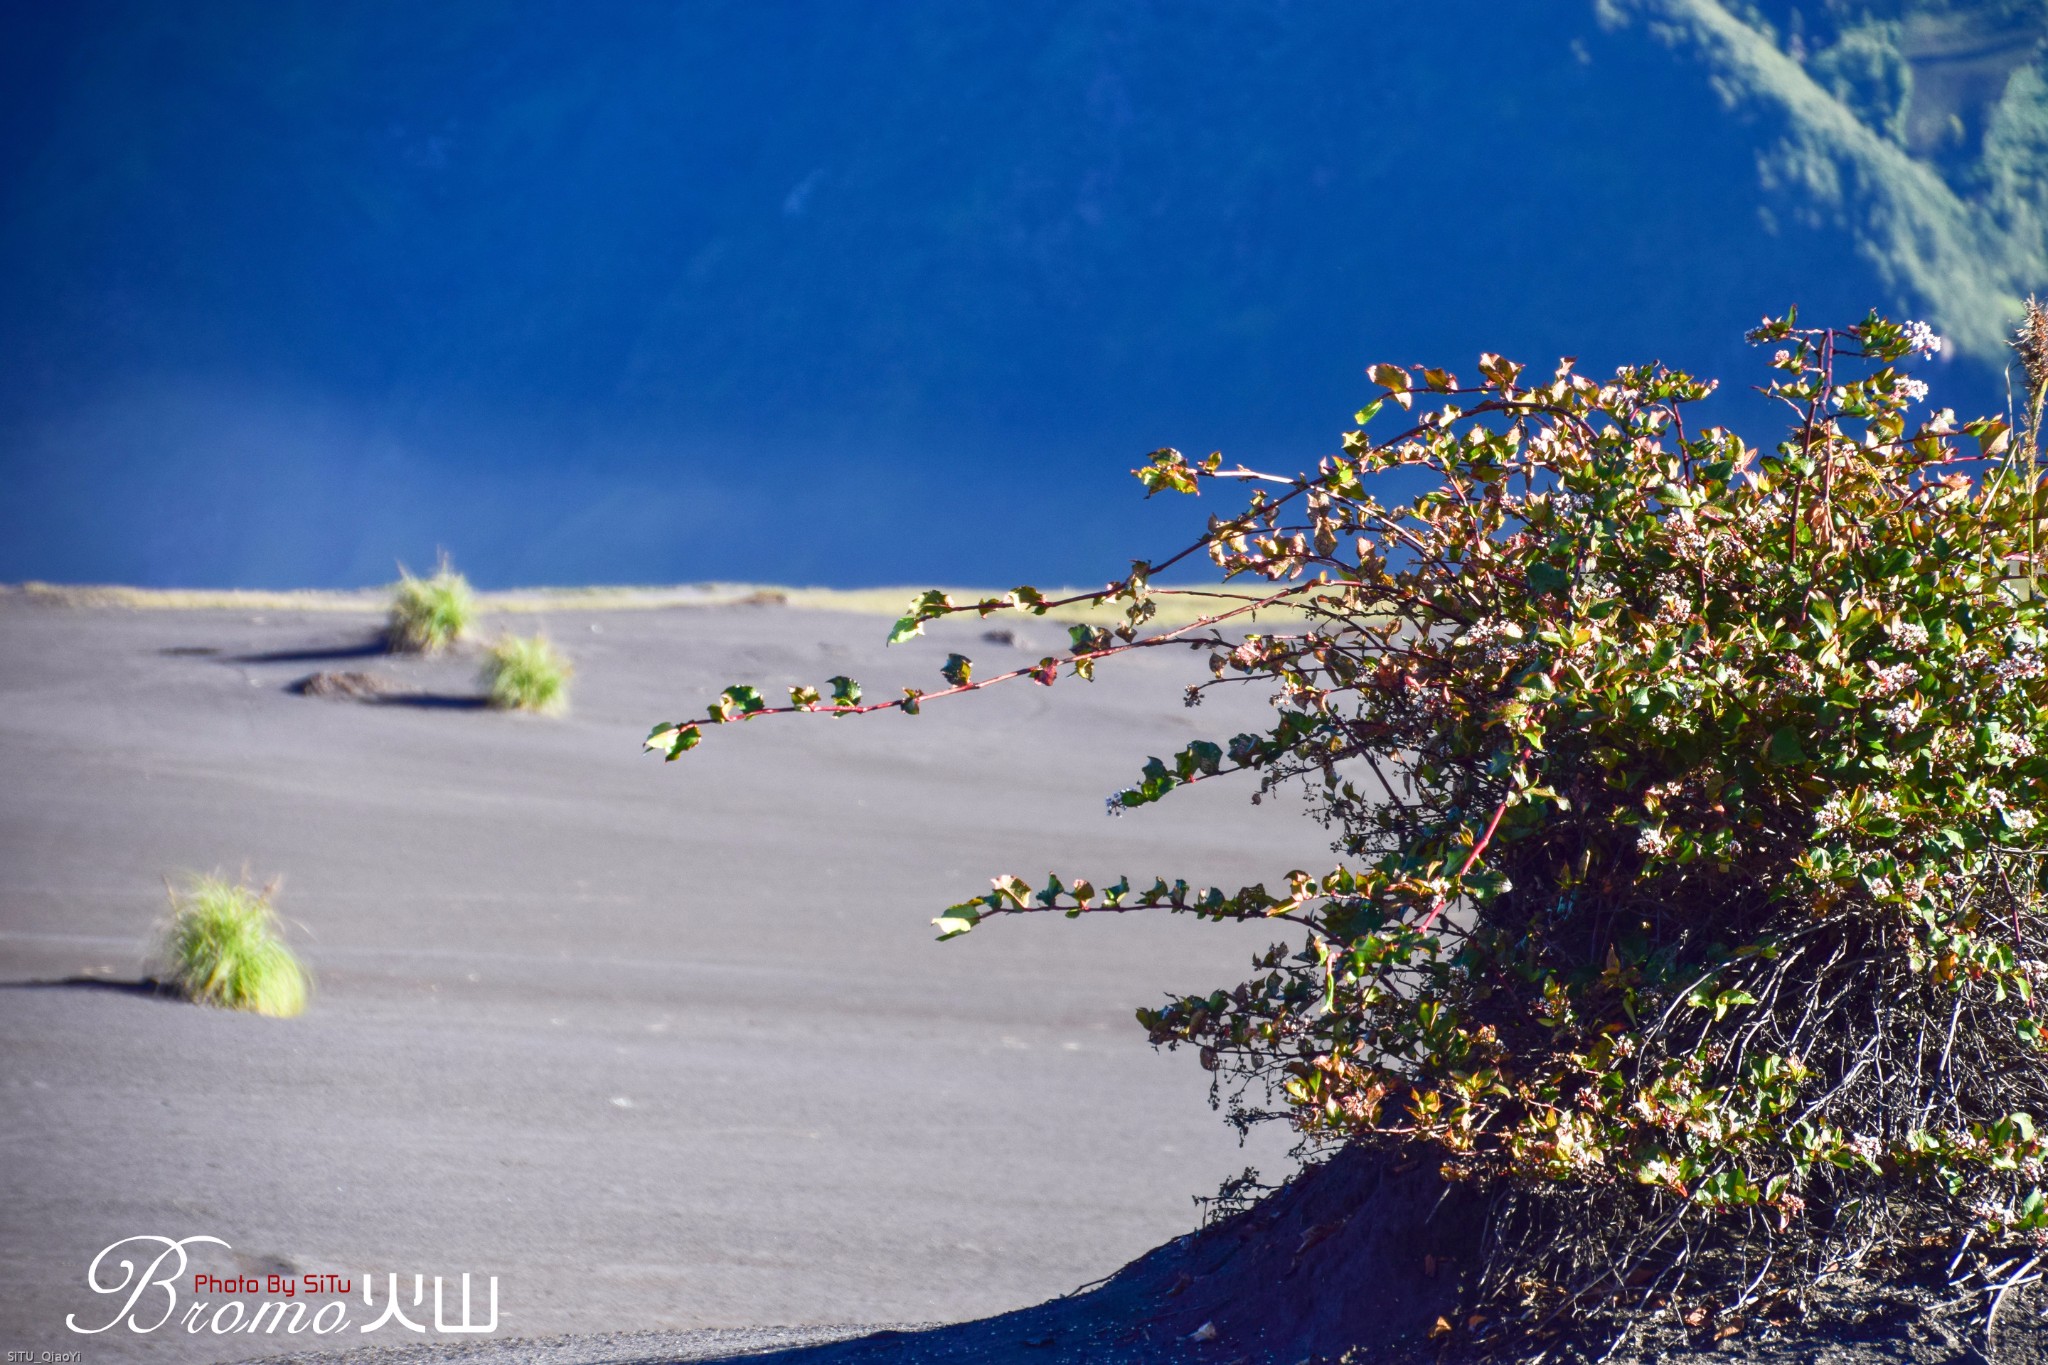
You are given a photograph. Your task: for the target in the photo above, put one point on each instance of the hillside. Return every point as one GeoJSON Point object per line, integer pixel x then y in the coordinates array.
{"type": "Point", "coordinates": [1920, 127]}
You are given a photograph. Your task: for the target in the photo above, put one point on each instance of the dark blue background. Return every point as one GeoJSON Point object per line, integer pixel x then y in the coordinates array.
{"type": "Point", "coordinates": [822, 293]}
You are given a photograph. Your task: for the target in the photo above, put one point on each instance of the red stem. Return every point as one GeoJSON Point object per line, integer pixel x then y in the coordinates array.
{"type": "Point", "coordinates": [1478, 848]}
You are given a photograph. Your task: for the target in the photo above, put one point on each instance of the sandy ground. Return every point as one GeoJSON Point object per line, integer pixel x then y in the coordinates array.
{"type": "Point", "coordinates": [662, 1047]}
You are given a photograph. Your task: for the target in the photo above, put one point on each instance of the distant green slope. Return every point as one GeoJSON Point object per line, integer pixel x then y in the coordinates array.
{"type": "Point", "coordinates": [1920, 127]}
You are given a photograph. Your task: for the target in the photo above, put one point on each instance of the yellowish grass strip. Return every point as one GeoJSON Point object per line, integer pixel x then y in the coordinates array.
{"type": "Point", "coordinates": [887, 602]}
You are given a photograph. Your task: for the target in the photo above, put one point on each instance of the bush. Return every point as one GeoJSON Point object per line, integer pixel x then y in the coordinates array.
{"type": "Point", "coordinates": [1688, 795]}
{"type": "Point", "coordinates": [429, 614]}
{"type": "Point", "coordinates": [525, 673]}
{"type": "Point", "coordinates": [221, 947]}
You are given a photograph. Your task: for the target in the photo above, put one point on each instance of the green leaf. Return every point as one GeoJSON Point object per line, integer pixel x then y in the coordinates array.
{"type": "Point", "coordinates": [1728, 1000]}
{"type": "Point", "coordinates": [1166, 470]}
{"type": "Point", "coordinates": [803, 696]}
{"type": "Point", "coordinates": [957, 669]}
{"type": "Point", "coordinates": [1089, 639]}
{"type": "Point", "coordinates": [928, 606]}
{"type": "Point", "coordinates": [1784, 748]}
{"type": "Point", "coordinates": [1395, 381]}
{"type": "Point", "coordinates": [1013, 889]}
{"type": "Point", "coordinates": [673, 741]}
{"type": "Point", "coordinates": [1501, 372]}
{"type": "Point", "coordinates": [742, 698]}
{"type": "Point", "coordinates": [1993, 435]}
{"type": "Point", "coordinates": [958, 920]}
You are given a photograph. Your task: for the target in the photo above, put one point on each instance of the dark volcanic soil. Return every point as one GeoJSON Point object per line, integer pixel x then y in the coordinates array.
{"type": "Point", "coordinates": [1357, 1261]}
{"type": "Point", "coordinates": [1353, 1261]}
{"type": "Point", "coordinates": [662, 1046]}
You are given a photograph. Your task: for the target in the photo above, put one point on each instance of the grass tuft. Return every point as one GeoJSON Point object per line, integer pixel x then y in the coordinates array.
{"type": "Point", "coordinates": [526, 673]}
{"type": "Point", "coordinates": [429, 614]}
{"type": "Point", "coordinates": [221, 947]}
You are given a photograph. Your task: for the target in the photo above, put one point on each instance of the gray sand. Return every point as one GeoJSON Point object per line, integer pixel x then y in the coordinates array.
{"type": "Point", "coordinates": [663, 1047]}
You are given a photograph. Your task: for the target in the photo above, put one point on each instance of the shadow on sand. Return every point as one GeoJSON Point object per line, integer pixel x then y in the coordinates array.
{"type": "Point", "coordinates": [148, 986]}
{"type": "Point", "coordinates": [376, 689]}
{"type": "Point", "coordinates": [362, 649]}
{"type": "Point", "coordinates": [431, 701]}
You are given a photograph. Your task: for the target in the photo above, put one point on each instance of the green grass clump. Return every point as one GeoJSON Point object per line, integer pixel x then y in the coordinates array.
{"type": "Point", "coordinates": [526, 673]}
{"type": "Point", "coordinates": [221, 947]}
{"type": "Point", "coordinates": [429, 614]}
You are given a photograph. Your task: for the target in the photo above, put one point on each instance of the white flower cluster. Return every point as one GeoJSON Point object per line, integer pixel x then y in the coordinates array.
{"type": "Point", "coordinates": [1491, 629]}
{"type": "Point", "coordinates": [1865, 1146]}
{"type": "Point", "coordinates": [1894, 678]}
{"type": "Point", "coordinates": [1804, 679]}
{"type": "Point", "coordinates": [1673, 610]}
{"type": "Point", "coordinates": [2012, 747]}
{"type": "Point", "coordinates": [1496, 640]}
{"type": "Point", "coordinates": [2025, 664]}
{"type": "Point", "coordinates": [1907, 634]}
{"type": "Point", "coordinates": [1764, 513]}
{"type": "Point", "coordinates": [1655, 842]}
{"type": "Point", "coordinates": [1834, 812]}
{"type": "Point", "coordinates": [1913, 390]}
{"type": "Point", "coordinates": [2019, 821]}
{"type": "Point", "coordinates": [1832, 815]}
{"type": "Point", "coordinates": [1921, 338]}
{"type": "Point", "coordinates": [1569, 502]}
{"type": "Point", "coordinates": [1115, 805]}
{"type": "Point", "coordinates": [1902, 717]}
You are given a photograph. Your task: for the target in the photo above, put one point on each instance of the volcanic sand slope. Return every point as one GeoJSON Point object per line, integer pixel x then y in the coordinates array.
{"type": "Point", "coordinates": [660, 1046]}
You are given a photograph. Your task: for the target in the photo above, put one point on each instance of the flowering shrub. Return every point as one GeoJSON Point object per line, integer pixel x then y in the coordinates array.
{"type": "Point", "coordinates": [1686, 795]}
